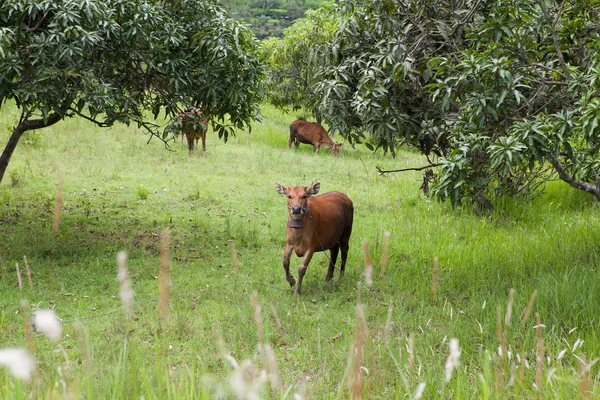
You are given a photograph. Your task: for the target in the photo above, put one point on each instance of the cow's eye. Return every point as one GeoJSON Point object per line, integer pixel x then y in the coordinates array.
{"type": "Point", "coordinates": [304, 197]}
{"type": "Point", "coordinates": [290, 197]}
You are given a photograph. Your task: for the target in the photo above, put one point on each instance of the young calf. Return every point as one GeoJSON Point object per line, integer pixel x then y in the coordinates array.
{"type": "Point", "coordinates": [302, 131]}
{"type": "Point", "coordinates": [315, 223]}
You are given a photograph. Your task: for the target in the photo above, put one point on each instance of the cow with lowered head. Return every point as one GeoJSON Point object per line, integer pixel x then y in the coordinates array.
{"type": "Point", "coordinates": [302, 131]}
{"type": "Point", "coordinates": [315, 223]}
{"type": "Point", "coordinates": [194, 126]}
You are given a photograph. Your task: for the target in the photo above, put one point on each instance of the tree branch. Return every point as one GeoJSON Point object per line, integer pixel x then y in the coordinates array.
{"type": "Point", "coordinates": [576, 183]}
{"type": "Point", "coordinates": [98, 123]}
{"type": "Point", "coordinates": [384, 171]}
{"type": "Point", "coordinates": [561, 59]}
{"type": "Point", "coordinates": [24, 125]}
{"type": "Point", "coordinates": [36, 27]}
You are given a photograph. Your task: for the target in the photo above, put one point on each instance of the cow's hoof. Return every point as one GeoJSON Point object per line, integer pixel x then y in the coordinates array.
{"type": "Point", "coordinates": [292, 282]}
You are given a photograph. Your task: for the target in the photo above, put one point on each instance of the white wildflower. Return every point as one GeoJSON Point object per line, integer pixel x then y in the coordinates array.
{"type": "Point", "coordinates": [246, 382]}
{"type": "Point", "coordinates": [561, 354]}
{"type": "Point", "coordinates": [550, 375]}
{"type": "Point", "coordinates": [20, 364]}
{"type": "Point", "coordinates": [369, 275]}
{"type": "Point", "coordinates": [453, 360]}
{"type": "Point", "coordinates": [232, 360]}
{"type": "Point", "coordinates": [126, 292]}
{"type": "Point", "coordinates": [420, 390]}
{"type": "Point", "coordinates": [47, 322]}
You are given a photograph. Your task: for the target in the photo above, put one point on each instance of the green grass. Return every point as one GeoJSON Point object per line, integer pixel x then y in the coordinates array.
{"type": "Point", "coordinates": [121, 193]}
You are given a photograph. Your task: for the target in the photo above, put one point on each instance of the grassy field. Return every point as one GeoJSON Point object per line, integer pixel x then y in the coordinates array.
{"type": "Point", "coordinates": [519, 288]}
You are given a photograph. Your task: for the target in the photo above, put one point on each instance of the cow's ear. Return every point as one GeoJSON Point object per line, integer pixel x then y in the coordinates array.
{"type": "Point", "coordinates": [280, 189]}
{"type": "Point", "coordinates": [315, 188]}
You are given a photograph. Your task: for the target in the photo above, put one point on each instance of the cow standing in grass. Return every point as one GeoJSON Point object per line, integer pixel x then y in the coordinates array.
{"type": "Point", "coordinates": [302, 131]}
{"type": "Point", "coordinates": [315, 223]}
{"type": "Point", "coordinates": [194, 126]}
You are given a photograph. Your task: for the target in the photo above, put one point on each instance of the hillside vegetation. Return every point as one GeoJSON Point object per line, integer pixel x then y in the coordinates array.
{"type": "Point", "coordinates": [268, 18]}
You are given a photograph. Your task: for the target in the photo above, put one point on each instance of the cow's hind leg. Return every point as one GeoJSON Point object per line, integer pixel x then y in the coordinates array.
{"type": "Point", "coordinates": [190, 140]}
{"type": "Point", "coordinates": [203, 137]}
{"type": "Point", "coordinates": [344, 247]}
{"type": "Point", "coordinates": [333, 258]}
{"type": "Point", "coordinates": [293, 138]}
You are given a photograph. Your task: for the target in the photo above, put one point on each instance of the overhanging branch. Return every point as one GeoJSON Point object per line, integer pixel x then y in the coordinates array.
{"type": "Point", "coordinates": [576, 183]}
{"type": "Point", "coordinates": [389, 171]}
{"type": "Point", "coordinates": [88, 118]}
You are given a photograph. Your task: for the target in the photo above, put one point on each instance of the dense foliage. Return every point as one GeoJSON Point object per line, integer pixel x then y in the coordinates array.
{"type": "Point", "coordinates": [500, 96]}
{"type": "Point", "coordinates": [112, 61]}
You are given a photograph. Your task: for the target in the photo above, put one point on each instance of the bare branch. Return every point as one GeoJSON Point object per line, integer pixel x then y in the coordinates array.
{"type": "Point", "coordinates": [98, 123]}
{"type": "Point", "coordinates": [36, 27]}
{"type": "Point", "coordinates": [576, 183]}
{"type": "Point", "coordinates": [546, 82]}
{"type": "Point", "coordinates": [384, 171]}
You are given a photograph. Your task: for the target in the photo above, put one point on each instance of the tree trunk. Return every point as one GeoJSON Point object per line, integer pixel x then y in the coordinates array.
{"type": "Point", "coordinates": [23, 127]}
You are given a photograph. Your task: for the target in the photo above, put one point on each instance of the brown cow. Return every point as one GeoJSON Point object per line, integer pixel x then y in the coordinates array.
{"type": "Point", "coordinates": [302, 131]}
{"type": "Point", "coordinates": [315, 223]}
{"type": "Point", "coordinates": [194, 126]}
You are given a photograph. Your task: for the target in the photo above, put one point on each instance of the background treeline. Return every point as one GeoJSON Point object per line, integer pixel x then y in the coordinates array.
{"type": "Point", "coordinates": [268, 18]}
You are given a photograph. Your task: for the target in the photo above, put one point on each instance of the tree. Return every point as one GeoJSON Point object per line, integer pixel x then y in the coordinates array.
{"type": "Point", "coordinates": [112, 61]}
{"type": "Point", "coordinates": [290, 63]}
{"type": "Point", "coordinates": [265, 4]}
{"type": "Point", "coordinates": [372, 72]}
{"type": "Point", "coordinates": [523, 101]}
{"type": "Point", "coordinates": [500, 96]}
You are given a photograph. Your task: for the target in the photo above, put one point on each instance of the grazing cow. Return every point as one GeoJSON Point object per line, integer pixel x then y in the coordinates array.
{"type": "Point", "coordinates": [315, 223]}
{"type": "Point", "coordinates": [302, 131]}
{"type": "Point", "coordinates": [194, 126]}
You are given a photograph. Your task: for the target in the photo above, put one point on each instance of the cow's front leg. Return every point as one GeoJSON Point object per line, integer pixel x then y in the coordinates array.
{"type": "Point", "coordinates": [287, 253]}
{"type": "Point", "coordinates": [302, 271]}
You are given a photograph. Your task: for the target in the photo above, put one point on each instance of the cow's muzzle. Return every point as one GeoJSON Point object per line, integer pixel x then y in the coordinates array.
{"type": "Point", "coordinates": [297, 212]}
